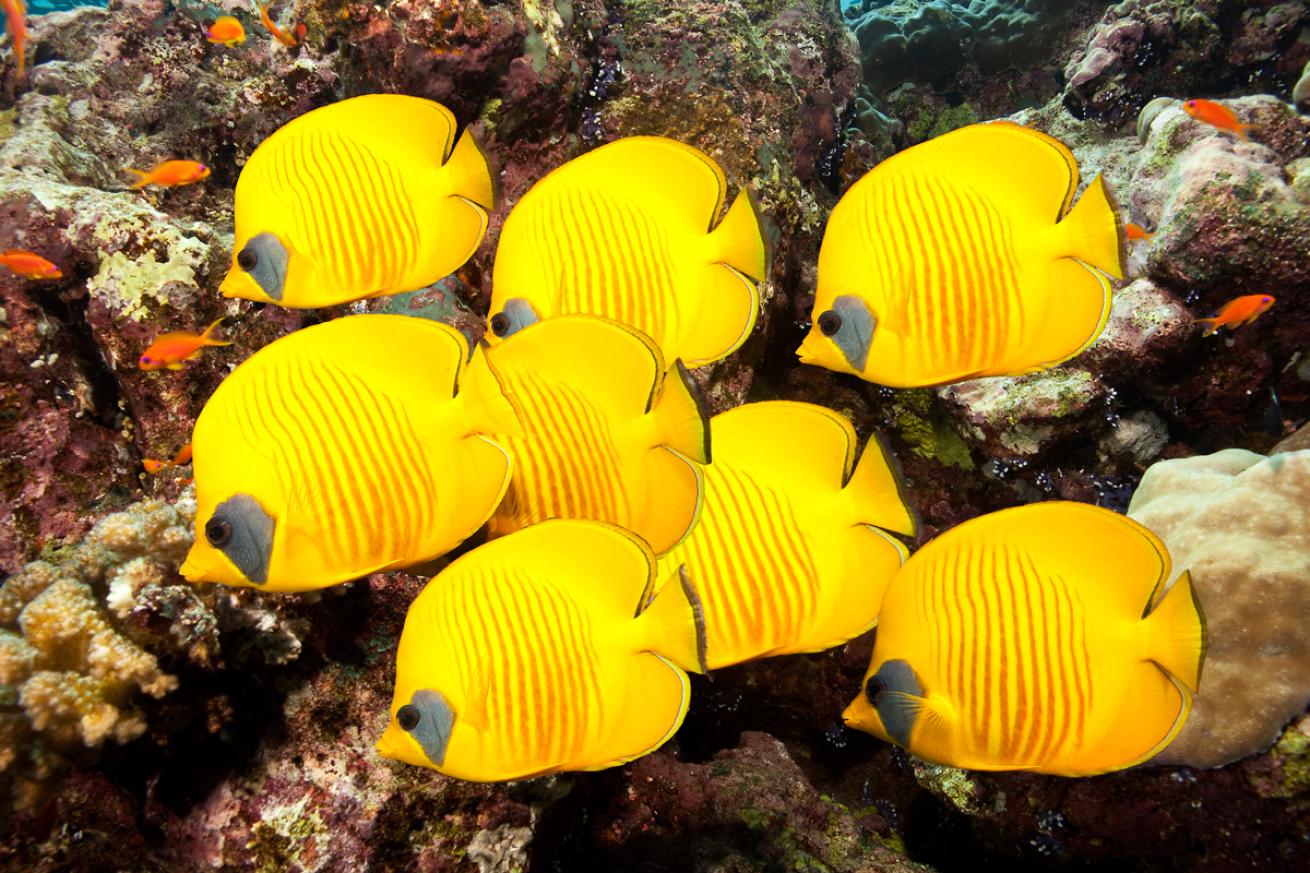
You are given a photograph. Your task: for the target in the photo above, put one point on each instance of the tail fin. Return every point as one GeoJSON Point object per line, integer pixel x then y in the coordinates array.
{"type": "Point", "coordinates": [1178, 637]}
{"type": "Point", "coordinates": [1094, 231]}
{"type": "Point", "coordinates": [1241, 130]}
{"type": "Point", "coordinates": [673, 625]}
{"type": "Point", "coordinates": [682, 420]}
{"type": "Point", "coordinates": [878, 493]}
{"type": "Point", "coordinates": [140, 179]}
{"type": "Point", "coordinates": [739, 238]}
{"type": "Point", "coordinates": [207, 335]}
{"type": "Point", "coordinates": [1212, 325]}
{"type": "Point", "coordinates": [472, 175]}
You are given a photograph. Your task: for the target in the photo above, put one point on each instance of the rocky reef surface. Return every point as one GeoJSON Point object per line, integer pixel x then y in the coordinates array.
{"type": "Point", "coordinates": [148, 724]}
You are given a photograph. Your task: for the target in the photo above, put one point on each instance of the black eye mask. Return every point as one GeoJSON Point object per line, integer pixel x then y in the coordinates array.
{"type": "Point", "coordinates": [850, 325]}
{"type": "Point", "coordinates": [242, 530]}
{"type": "Point", "coordinates": [264, 258]}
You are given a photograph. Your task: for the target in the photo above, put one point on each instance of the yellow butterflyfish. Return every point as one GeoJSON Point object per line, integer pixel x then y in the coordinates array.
{"type": "Point", "coordinates": [628, 231]}
{"type": "Point", "coordinates": [960, 258]}
{"type": "Point", "coordinates": [368, 196]}
{"type": "Point", "coordinates": [1036, 638]}
{"type": "Point", "coordinates": [343, 449]}
{"type": "Point", "coordinates": [791, 552]}
{"type": "Point", "coordinates": [536, 653]}
{"type": "Point", "coordinates": [608, 433]}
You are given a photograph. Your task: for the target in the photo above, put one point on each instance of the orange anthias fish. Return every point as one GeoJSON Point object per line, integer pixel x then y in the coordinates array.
{"type": "Point", "coordinates": [1237, 312]}
{"type": "Point", "coordinates": [29, 265]}
{"type": "Point", "coordinates": [172, 349]}
{"type": "Point", "coordinates": [227, 31]}
{"type": "Point", "coordinates": [1136, 231]}
{"type": "Point", "coordinates": [183, 456]}
{"type": "Point", "coordinates": [278, 33]}
{"type": "Point", "coordinates": [16, 27]}
{"type": "Point", "coordinates": [169, 174]}
{"type": "Point", "coordinates": [1216, 115]}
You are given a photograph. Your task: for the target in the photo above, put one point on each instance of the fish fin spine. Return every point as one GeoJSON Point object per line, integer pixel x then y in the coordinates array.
{"type": "Point", "coordinates": [739, 238]}
{"type": "Point", "coordinates": [681, 415]}
{"type": "Point", "coordinates": [472, 174]}
{"type": "Point", "coordinates": [673, 624]}
{"type": "Point", "coordinates": [1094, 230]}
{"type": "Point", "coordinates": [1177, 632]}
{"type": "Point", "coordinates": [877, 490]}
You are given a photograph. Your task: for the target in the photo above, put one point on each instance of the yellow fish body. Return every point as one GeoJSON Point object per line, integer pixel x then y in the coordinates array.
{"type": "Point", "coordinates": [628, 232]}
{"type": "Point", "coordinates": [523, 657]}
{"type": "Point", "coordinates": [1035, 638]}
{"type": "Point", "coordinates": [340, 450]}
{"type": "Point", "coordinates": [788, 555]}
{"type": "Point", "coordinates": [372, 195]}
{"type": "Point", "coordinates": [605, 434]}
{"type": "Point", "coordinates": [960, 258]}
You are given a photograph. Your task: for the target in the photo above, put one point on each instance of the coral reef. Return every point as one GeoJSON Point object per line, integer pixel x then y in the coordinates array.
{"type": "Point", "coordinates": [1147, 48]}
{"type": "Point", "coordinates": [1251, 579]}
{"type": "Point", "coordinates": [82, 633]}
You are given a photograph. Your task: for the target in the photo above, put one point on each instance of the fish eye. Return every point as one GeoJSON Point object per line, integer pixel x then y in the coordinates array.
{"type": "Point", "coordinates": [874, 690]}
{"type": "Point", "coordinates": [218, 531]}
{"type": "Point", "coordinates": [247, 259]}
{"type": "Point", "coordinates": [145, 359]}
{"type": "Point", "coordinates": [500, 324]}
{"type": "Point", "coordinates": [829, 323]}
{"type": "Point", "coordinates": [408, 716]}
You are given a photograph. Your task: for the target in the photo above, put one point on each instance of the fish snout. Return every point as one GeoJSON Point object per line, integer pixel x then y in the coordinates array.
{"type": "Point", "coordinates": [808, 352]}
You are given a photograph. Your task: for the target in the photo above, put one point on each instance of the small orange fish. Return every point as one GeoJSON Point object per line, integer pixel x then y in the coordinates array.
{"type": "Point", "coordinates": [278, 33]}
{"type": "Point", "coordinates": [1237, 312]}
{"type": "Point", "coordinates": [29, 265]}
{"type": "Point", "coordinates": [1136, 231]}
{"type": "Point", "coordinates": [1216, 115]}
{"type": "Point", "coordinates": [227, 31]}
{"type": "Point", "coordinates": [183, 456]}
{"type": "Point", "coordinates": [16, 27]}
{"type": "Point", "coordinates": [171, 349]}
{"type": "Point", "coordinates": [170, 174]}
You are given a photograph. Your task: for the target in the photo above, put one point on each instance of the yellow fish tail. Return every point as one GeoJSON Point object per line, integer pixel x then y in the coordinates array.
{"type": "Point", "coordinates": [471, 173]}
{"type": "Point", "coordinates": [673, 624]}
{"type": "Point", "coordinates": [1094, 232]}
{"type": "Point", "coordinates": [676, 506]}
{"type": "Point", "coordinates": [489, 410]}
{"type": "Point", "coordinates": [1178, 637]}
{"type": "Point", "coordinates": [142, 179]}
{"type": "Point", "coordinates": [878, 493]}
{"type": "Point", "coordinates": [739, 239]}
{"type": "Point", "coordinates": [1086, 301]}
{"type": "Point", "coordinates": [873, 558]}
{"type": "Point", "coordinates": [682, 419]}
{"type": "Point", "coordinates": [208, 334]}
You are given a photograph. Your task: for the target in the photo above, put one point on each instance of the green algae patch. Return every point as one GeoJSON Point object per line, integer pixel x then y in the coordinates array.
{"type": "Point", "coordinates": [926, 433]}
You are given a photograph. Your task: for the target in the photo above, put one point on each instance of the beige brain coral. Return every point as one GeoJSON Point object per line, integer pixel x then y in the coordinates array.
{"type": "Point", "coordinates": [1241, 523]}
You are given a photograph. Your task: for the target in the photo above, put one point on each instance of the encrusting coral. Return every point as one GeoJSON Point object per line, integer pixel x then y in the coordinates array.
{"type": "Point", "coordinates": [1239, 522]}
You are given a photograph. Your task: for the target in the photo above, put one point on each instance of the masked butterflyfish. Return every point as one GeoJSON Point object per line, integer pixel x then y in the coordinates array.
{"type": "Point", "coordinates": [791, 552]}
{"type": "Point", "coordinates": [960, 258]}
{"type": "Point", "coordinates": [606, 433]}
{"type": "Point", "coordinates": [1036, 638]}
{"type": "Point", "coordinates": [343, 449]}
{"type": "Point", "coordinates": [534, 654]}
{"type": "Point", "coordinates": [628, 231]}
{"type": "Point", "coordinates": [368, 196]}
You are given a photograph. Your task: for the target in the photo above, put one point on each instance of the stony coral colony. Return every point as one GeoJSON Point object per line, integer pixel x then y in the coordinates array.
{"type": "Point", "coordinates": [632, 538]}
